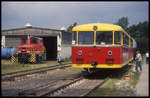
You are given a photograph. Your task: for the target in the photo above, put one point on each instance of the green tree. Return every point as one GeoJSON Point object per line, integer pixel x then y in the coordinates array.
{"type": "Point", "coordinates": [123, 22]}
{"type": "Point", "coordinates": [132, 30]}
{"type": "Point", "coordinates": [69, 29]}
{"type": "Point", "coordinates": [140, 33]}
{"type": "Point", "coordinates": [143, 29]}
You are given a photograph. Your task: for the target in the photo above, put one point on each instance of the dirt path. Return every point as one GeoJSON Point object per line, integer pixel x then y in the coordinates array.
{"type": "Point", "coordinates": [142, 88]}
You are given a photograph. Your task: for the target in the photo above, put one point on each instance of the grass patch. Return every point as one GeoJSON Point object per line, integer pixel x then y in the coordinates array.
{"type": "Point", "coordinates": [7, 66]}
{"type": "Point", "coordinates": [116, 87]}
{"type": "Point", "coordinates": [119, 86]}
{"type": "Point", "coordinates": [67, 59]}
{"type": "Point", "coordinates": [134, 78]}
{"type": "Point", "coordinates": [111, 89]}
{"type": "Point", "coordinates": [11, 66]}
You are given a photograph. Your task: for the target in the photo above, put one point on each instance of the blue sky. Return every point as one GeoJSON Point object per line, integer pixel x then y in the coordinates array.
{"type": "Point", "coordinates": [55, 15]}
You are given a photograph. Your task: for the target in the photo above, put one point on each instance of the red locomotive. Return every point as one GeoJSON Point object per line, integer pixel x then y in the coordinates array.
{"type": "Point", "coordinates": [101, 45]}
{"type": "Point", "coordinates": [31, 49]}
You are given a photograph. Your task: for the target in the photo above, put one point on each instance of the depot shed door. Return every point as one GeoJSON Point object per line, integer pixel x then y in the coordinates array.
{"type": "Point", "coordinates": [51, 47]}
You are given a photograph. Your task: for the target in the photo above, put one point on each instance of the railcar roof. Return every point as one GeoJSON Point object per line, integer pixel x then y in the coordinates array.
{"type": "Point", "coordinates": [100, 27]}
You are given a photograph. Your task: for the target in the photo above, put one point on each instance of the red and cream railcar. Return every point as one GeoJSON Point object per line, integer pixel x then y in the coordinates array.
{"type": "Point", "coordinates": [100, 45]}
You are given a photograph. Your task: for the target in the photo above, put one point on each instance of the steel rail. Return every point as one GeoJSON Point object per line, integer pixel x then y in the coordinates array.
{"type": "Point", "coordinates": [29, 72]}
{"type": "Point", "coordinates": [31, 69]}
{"type": "Point", "coordinates": [51, 86]}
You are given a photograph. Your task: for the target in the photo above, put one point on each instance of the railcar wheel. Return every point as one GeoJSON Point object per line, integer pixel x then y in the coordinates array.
{"type": "Point", "coordinates": [89, 70]}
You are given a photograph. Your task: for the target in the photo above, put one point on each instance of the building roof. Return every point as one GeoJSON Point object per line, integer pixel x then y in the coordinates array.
{"type": "Point", "coordinates": [34, 31]}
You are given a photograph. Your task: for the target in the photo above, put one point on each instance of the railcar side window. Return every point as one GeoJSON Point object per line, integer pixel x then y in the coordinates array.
{"type": "Point", "coordinates": [104, 37]}
{"type": "Point", "coordinates": [131, 43]}
{"type": "Point", "coordinates": [74, 37]}
{"type": "Point", "coordinates": [117, 37]}
{"type": "Point", "coordinates": [86, 37]}
{"type": "Point", "coordinates": [125, 40]}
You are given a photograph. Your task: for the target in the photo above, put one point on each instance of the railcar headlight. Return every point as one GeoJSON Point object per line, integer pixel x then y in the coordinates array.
{"type": "Point", "coordinates": [94, 27]}
{"type": "Point", "coordinates": [109, 53]}
{"type": "Point", "coordinates": [80, 52]}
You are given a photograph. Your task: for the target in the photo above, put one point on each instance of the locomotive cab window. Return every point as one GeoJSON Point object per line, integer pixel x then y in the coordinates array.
{"type": "Point", "coordinates": [74, 37]}
{"type": "Point", "coordinates": [85, 37]}
{"type": "Point", "coordinates": [104, 37]}
{"type": "Point", "coordinates": [24, 40]}
{"type": "Point", "coordinates": [117, 38]}
{"type": "Point", "coordinates": [34, 40]}
{"type": "Point", "coordinates": [41, 42]}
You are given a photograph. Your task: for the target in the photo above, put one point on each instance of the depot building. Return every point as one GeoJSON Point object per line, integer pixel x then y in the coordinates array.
{"type": "Point", "coordinates": [54, 40]}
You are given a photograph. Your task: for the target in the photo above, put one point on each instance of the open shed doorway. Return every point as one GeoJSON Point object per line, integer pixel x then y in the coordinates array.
{"type": "Point", "coordinates": [51, 47]}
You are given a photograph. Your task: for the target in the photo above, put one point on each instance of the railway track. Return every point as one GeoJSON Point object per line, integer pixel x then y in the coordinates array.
{"type": "Point", "coordinates": [50, 86]}
{"type": "Point", "coordinates": [79, 88]}
{"type": "Point", "coordinates": [33, 85]}
{"type": "Point", "coordinates": [84, 86]}
{"type": "Point", "coordinates": [13, 75]}
{"type": "Point", "coordinates": [65, 87]}
{"type": "Point", "coordinates": [68, 85]}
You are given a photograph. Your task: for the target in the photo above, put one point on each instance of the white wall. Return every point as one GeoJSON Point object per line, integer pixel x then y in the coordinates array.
{"type": "Point", "coordinates": [3, 42]}
{"type": "Point", "coordinates": [59, 40]}
{"type": "Point", "coordinates": [66, 51]}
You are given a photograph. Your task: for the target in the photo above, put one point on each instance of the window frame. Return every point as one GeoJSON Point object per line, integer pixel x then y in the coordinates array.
{"type": "Point", "coordinates": [125, 40]}
{"type": "Point", "coordinates": [119, 37]}
{"type": "Point", "coordinates": [24, 40]}
{"type": "Point", "coordinates": [36, 40]}
{"type": "Point", "coordinates": [74, 32]}
{"type": "Point", "coordinates": [78, 33]}
{"type": "Point", "coordinates": [104, 44]}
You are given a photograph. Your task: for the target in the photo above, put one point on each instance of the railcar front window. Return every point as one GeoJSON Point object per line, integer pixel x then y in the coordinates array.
{"type": "Point", "coordinates": [104, 37]}
{"type": "Point", "coordinates": [85, 37]}
{"type": "Point", "coordinates": [117, 37]}
{"type": "Point", "coordinates": [74, 37]}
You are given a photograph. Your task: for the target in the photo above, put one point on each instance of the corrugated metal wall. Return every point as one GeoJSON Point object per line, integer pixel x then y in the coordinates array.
{"type": "Point", "coordinates": [67, 38]}
{"type": "Point", "coordinates": [12, 38]}
{"type": "Point", "coordinates": [12, 41]}
{"type": "Point", "coordinates": [66, 46]}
